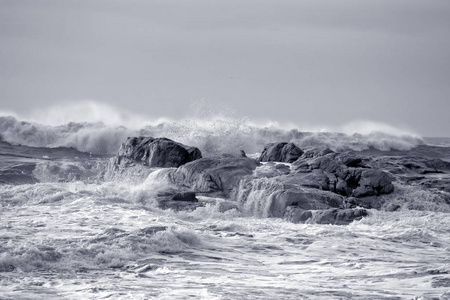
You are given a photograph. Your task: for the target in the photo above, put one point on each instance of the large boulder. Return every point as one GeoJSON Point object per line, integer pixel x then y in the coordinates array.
{"type": "Point", "coordinates": [213, 175]}
{"type": "Point", "coordinates": [158, 152]}
{"type": "Point", "coordinates": [281, 152]}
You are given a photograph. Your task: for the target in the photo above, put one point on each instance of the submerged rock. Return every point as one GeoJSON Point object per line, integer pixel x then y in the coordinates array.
{"type": "Point", "coordinates": [179, 205]}
{"type": "Point", "coordinates": [328, 216]}
{"type": "Point", "coordinates": [178, 200]}
{"type": "Point", "coordinates": [185, 196]}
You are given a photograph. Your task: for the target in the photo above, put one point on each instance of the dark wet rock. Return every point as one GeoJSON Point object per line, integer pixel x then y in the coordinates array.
{"type": "Point", "coordinates": [327, 163]}
{"type": "Point", "coordinates": [441, 184]}
{"type": "Point", "coordinates": [138, 155]}
{"type": "Point", "coordinates": [438, 164]}
{"type": "Point", "coordinates": [369, 202]}
{"type": "Point", "coordinates": [17, 173]}
{"type": "Point", "coordinates": [280, 152]}
{"type": "Point", "coordinates": [185, 196]}
{"type": "Point", "coordinates": [317, 152]}
{"type": "Point", "coordinates": [411, 165]}
{"type": "Point", "coordinates": [171, 198]}
{"type": "Point", "coordinates": [325, 152]}
{"type": "Point", "coordinates": [213, 175]}
{"type": "Point", "coordinates": [328, 216]}
{"type": "Point", "coordinates": [373, 183]}
{"type": "Point", "coordinates": [158, 152]}
{"type": "Point", "coordinates": [317, 179]}
{"type": "Point", "coordinates": [6, 267]}
{"type": "Point", "coordinates": [296, 214]}
{"type": "Point", "coordinates": [351, 160]}
{"type": "Point", "coordinates": [282, 169]}
{"type": "Point", "coordinates": [342, 188]}
{"type": "Point", "coordinates": [339, 216]}
{"type": "Point", "coordinates": [345, 174]}
{"type": "Point", "coordinates": [179, 205]}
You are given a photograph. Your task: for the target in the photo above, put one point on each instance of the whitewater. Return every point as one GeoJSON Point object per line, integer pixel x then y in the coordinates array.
{"type": "Point", "coordinates": [69, 232]}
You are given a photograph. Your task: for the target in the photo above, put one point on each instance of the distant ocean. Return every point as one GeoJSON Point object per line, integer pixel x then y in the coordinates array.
{"type": "Point", "coordinates": [66, 232]}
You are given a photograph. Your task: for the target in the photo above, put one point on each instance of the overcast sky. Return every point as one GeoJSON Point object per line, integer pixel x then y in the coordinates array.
{"type": "Point", "coordinates": [311, 63]}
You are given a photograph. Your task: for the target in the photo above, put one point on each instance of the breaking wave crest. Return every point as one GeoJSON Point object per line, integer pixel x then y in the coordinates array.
{"type": "Point", "coordinates": [215, 134]}
{"type": "Point", "coordinates": [87, 137]}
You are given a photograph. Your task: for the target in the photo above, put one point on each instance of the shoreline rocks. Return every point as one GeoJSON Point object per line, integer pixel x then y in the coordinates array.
{"type": "Point", "coordinates": [315, 186]}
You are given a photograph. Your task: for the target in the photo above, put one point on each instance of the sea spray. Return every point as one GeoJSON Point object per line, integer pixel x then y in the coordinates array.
{"type": "Point", "coordinates": [212, 137]}
{"type": "Point", "coordinates": [255, 195]}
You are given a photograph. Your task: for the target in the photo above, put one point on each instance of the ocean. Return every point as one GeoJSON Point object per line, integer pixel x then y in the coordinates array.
{"type": "Point", "coordinates": [67, 231]}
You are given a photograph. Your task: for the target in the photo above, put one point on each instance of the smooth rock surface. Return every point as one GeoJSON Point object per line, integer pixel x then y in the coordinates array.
{"type": "Point", "coordinates": [280, 152]}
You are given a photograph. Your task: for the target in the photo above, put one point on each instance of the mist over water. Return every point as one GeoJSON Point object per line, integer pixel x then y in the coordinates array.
{"type": "Point", "coordinates": [100, 129]}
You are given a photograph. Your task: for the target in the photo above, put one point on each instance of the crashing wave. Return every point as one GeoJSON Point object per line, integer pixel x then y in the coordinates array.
{"type": "Point", "coordinates": [100, 129]}
{"type": "Point", "coordinates": [212, 137]}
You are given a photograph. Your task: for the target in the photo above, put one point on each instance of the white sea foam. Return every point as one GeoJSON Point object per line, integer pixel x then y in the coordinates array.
{"type": "Point", "coordinates": [85, 240]}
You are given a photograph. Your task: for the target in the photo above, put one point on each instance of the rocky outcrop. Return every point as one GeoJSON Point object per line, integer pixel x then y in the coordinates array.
{"type": "Point", "coordinates": [138, 155]}
{"type": "Point", "coordinates": [281, 152]}
{"type": "Point", "coordinates": [318, 186]}
{"type": "Point", "coordinates": [158, 152]}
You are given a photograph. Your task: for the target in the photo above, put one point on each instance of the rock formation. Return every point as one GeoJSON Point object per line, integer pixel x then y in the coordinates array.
{"type": "Point", "coordinates": [317, 186]}
{"type": "Point", "coordinates": [138, 154]}
{"type": "Point", "coordinates": [158, 152]}
{"type": "Point", "coordinates": [280, 152]}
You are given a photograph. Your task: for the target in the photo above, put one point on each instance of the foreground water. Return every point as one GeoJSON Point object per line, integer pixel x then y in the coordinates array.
{"type": "Point", "coordinates": [66, 233]}
{"type": "Point", "coordinates": [93, 241]}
